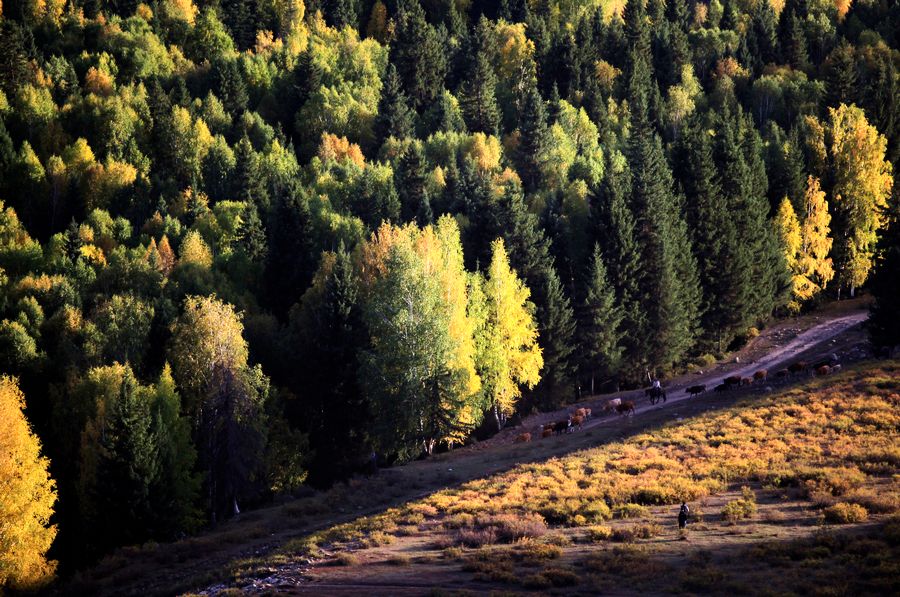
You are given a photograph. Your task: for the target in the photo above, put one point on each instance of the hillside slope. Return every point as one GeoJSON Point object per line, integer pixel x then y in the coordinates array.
{"type": "Point", "coordinates": [800, 482]}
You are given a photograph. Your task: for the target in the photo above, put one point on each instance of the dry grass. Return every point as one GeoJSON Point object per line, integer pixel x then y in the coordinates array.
{"type": "Point", "coordinates": [835, 437]}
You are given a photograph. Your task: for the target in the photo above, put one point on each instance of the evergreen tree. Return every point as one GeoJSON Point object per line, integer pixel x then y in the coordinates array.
{"type": "Point", "coordinates": [736, 188]}
{"type": "Point", "coordinates": [668, 287]}
{"type": "Point", "coordinates": [613, 224]}
{"type": "Point", "coordinates": [175, 493]}
{"type": "Point", "coordinates": [533, 139]}
{"type": "Point", "coordinates": [325, 374]}
{"type": "Point", "coordinates": [715, 240]}
{"type": "Point", "coordinates": [418, 53]}
{"type": "Point", "coordinates": [230, 86]}
{"type": "Point", "coordinates": [600, 320]}
{"type": "Point", "coordinates": [477, 97]}
{"type": "Point", "coordinates": [795, 45]}
{"type": "Point", "coordinates": [395, 118]}
{"type": "Point", "coordinates": [841, 76]}
{"type": "Point", "coordinates": [410, 182]}
{"type": "Point", "coordinates": [292, 254]}
{"type": "Point", "coordinates": [884, 325]}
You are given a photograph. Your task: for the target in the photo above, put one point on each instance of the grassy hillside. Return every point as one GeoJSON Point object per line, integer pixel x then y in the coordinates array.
{"type": "Point", "coordinates": [803, 461]}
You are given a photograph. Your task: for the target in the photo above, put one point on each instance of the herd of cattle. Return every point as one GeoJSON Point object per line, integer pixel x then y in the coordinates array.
{"type": "Point", "coordinates": [625, 408]}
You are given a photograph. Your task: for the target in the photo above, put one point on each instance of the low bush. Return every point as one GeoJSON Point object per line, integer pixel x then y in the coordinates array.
{"type": "Point", "coordinates": [631, 511]}
{"type": "Point", "coordinates": [845, 513]}
{"type": "Point", "coordinates": [742, 508]}
{"type": "Point", "coordinates": [599, 533]}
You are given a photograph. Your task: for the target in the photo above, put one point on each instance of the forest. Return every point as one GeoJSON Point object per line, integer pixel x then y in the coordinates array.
{"type": "Point", "coordinates": [245, 245]}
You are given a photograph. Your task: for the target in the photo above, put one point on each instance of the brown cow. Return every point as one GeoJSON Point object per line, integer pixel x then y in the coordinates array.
{"type": "Point", "coordinates": [580, 413]}
{"type": "Point", "coordinates": [732, 380]}
{"type": "Point", "coordinates": [523, 437]}
{"type": "Point", "coordinates": [576, 422]}
{"type": "Point", "coordinates": [823, 370]}
{"type": "Point", "coordinates": [612, 404]}
{"type": "Point", "coordinates": [746, 381]}
{"type": "Point", "coordinates": [798, 367]}
{"type": "Point", "coordinates": [625, 408]}
{"type": "Point", "coordinates": [694, 390]}
{"type": "Point", "coordinates": [547, 432]}
{"type": "Point", "coordinates": [760, 375]}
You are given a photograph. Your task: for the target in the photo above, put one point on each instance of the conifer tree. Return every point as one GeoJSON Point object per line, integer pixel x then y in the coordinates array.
{"type": "Point", "coordinates": [613, 225]}
{"type": "Point", "coordinates": [292, 254]}
{"type": "Point", "coordinates": [714, 237]}
{"type": "Point", "coordinates": [325, 374]}
{"type": "Point", "coordinates": [533, 139]}
{"type": "Point", "coordinates": [600, 320]}
{"type": "Point", "coordinates": [841, 76]}
{"type": "Point", "coordinates": [667, 285]}
{"type": "Point", "coordinates": [418, 54]}
{"type": "Point", "coordinates": [477, 97]}
{"type": "Point", "coordinates": [884, 325]}
{"type": "Point", "coordinates": [395, 117]}
{"type": "Point", "coordinates": [410, 182]}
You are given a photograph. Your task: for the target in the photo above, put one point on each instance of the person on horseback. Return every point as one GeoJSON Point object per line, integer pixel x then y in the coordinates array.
{"type": "Point", "coordinates": [656, 384]}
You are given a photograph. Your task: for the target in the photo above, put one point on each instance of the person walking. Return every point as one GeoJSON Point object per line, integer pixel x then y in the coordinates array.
{"type": "Point", "coordinates": [683, 515]}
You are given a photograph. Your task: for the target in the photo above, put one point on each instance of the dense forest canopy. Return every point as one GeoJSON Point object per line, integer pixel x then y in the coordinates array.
{"type": "Point", "coordinates": [246, 243]}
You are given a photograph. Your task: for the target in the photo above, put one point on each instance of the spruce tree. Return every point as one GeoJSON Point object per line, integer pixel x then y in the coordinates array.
{"type": "Point", "coordinates": [418, 53]}
{"type": "Point", "coordinates": [714, 237]}
{"type": "Point", "coordinates": [668, 288]}
{"type": "Point", "coordinates": [841, 76]}
{"type": "Point", "coordinates": [478, 98]}
{"type": "Point", "coordinates": [613, 225]}
{"type": "Point", "coordinates": [599, 331]}
{"type": "Point", "coordinates": [292, 256]}
{"type": "Point", "coordinates": [410, 182]}
{"type": "Point", "coordinates": [395, 118]}
{"type": "Point", "coordinates": [332, 408]}
{"type": "Point", "coordinates": [736, 187]}
{"type": "Point", "coordinates": [533, 139]}
{"type": "Point", "coordinates": [884, 325]}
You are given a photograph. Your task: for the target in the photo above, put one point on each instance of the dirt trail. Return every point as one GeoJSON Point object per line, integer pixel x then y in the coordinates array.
{"type": "Point", "coordinates": [814, 337]}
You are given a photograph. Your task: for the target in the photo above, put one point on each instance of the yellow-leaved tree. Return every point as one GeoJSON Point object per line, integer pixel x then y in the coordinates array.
{"type": "Point", "coordinates": [806, 246]}
{"type": "Point", "coordinates": [862, 184]}
{"type": "Point", "coordinates": [508, 355]}
{"type": "Point", "coordinates": [787, 227]}
{"type": "Point", "coordinates": [814, 264]}
{"type": "Point", "coordinates": [27, 495]}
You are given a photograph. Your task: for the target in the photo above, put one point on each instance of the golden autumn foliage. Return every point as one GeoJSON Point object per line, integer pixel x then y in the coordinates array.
{"type": "Point", "coordinates": [862, 184]}
{"type": "Point", "coordinates": [814, 264]}
{"type": "Point", "coordinates": [27, 496]}
{"type": "Point", "coordinates": [509, 355]}
{"type": "Point", "coordinates": [338, 149]}
{"type": "Point", "coordinates": [195, 251]}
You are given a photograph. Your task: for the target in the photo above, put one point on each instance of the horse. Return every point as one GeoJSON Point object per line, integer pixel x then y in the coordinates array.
{"type": "Point", "coordinates": [655, 394]}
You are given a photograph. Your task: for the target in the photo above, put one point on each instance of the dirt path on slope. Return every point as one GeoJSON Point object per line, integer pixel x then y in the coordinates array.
{"type": "Point", "coordinates": [774, 349]}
